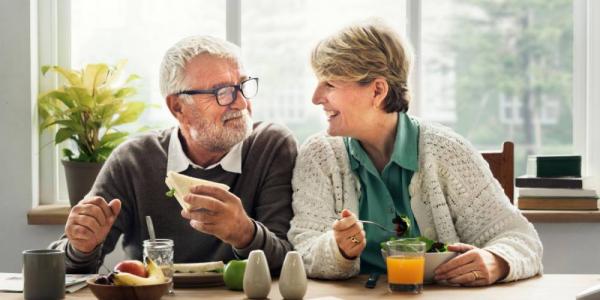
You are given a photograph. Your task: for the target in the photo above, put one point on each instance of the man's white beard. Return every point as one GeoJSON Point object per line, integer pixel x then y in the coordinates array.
{"type": "Point", "coordinates": [221, 137]}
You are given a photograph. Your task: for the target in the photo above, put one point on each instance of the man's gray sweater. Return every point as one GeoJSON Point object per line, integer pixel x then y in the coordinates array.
{"type": "Point", "coordinates": [135, 173]}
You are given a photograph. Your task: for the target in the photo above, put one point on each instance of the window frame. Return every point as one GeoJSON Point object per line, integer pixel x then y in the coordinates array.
{"type": "Point", "coordinates": [51, 31]}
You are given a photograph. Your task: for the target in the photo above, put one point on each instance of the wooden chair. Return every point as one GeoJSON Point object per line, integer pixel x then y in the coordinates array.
{"type": "Point", "coordinates": [502, 165]}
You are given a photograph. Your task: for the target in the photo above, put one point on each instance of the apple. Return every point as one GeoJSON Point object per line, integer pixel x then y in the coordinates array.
{"type": "Point", "coordinates": [233, 274]}
{"type": "Point", "coordinates": [134, 267]}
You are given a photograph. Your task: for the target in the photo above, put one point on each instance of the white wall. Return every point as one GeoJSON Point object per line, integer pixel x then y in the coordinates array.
{"type": "Point", "coordinates": [572, 248]}
{"type": "Point", "coordinates": [569, 248]}
{"type": "Point", "coordinates": [16, 169]}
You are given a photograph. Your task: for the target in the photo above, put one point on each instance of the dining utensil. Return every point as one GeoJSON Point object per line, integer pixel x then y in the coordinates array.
{"type": "Point", "coordinates": [150, 228]}
{"type": "Point", "coordinates": [372, 281]}
{"type": "Point", "coordinates": [378, 226]}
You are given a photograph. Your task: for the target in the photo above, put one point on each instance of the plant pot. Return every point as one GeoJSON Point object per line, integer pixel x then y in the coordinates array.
{"type": "Point", "coordinates": [80, 178]}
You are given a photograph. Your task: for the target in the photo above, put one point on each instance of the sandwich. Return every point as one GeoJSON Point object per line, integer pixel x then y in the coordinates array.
{"type": "Point", "coordinates": [205, 268]}
{"type": "Point", "coordinates": [180, 186]}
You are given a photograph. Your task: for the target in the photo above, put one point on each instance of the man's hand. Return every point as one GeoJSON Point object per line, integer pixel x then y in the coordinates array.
{"type": "Point", "coordinates": [474, 267]}
{"type": "Point", "coordinates": [90, 221]}
{"type": "Point", "coordinates": [220, 213]}
{"type": "Point", "coordinates": [349, 235]}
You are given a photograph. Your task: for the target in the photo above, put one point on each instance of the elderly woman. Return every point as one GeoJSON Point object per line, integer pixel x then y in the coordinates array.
{"type": "Point", "coordinates": [378, 163]}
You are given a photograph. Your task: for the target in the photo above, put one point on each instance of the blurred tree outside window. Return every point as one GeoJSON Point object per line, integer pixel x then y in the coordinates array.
{"type": "Point", "coordinates": [493, 70]}
{"type": "Point", "coordinates": [501, 70]}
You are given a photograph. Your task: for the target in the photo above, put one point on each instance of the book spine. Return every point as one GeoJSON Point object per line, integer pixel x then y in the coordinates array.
{"type": "Point", "coordinates": [557, 204]}
{"type": "Point", "coordinates": [574, 183]}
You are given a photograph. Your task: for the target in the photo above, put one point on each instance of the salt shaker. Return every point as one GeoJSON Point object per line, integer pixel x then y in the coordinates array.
{"type": "Point", "coordinates": [257, 278]}
{"type": "Point", "coordinates": [292, 281]}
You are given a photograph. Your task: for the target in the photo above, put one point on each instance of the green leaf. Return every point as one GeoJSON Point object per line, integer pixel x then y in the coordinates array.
{"type": "Point", "coordinates": [75, 126]}
{"type": "Point", "coordinates": [125, 92]}
{"type": "Point", "coordinates": [115, 72]}
{"type": "Point", "coordinates": [104, 96]}
{"type": "Point", "coordinates": [45, 70]}
{"type": "Point", "coordinates": [68, 154]}
{"type": "Point", "coordinates": [427, 241]}
{"type": "Point", "coordinates": [132, 77]}
{"type": "Point", "coordinates": [113, 138]}
{"type": "Point", "coordinates": [87, 107]}
{"type": "Point", "coordinates": [81, 96]}
{"type": "Point", "coordinates": [94, 76]}
{"type": "Point", "coordinates": [382, 244]}
{"type": "Point", "coordinates": [104, 152]}
{"type": "Point", "coordinates": [171, 193]}
{"type": "Point", "coordinates": [132, 112]}
{"type": "Point", "coordinates": [73, 77]}
{"type": "Point", "coordinates": [63, 97]}
{"type": "Point", "coordinates": [63, 134]}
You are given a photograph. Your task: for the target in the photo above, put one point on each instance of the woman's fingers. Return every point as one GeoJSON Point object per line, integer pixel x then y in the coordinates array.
{"type": "Point", "coordinates": [460, 247]}
{"type": "Point", "coordinates": [345, 223]}
{"type": "Point", "coordinates": [351, 242]}
{"type": "Point", "coordinates": [458, 271]}
{"type": "Point", "coordinates": [456, 262]}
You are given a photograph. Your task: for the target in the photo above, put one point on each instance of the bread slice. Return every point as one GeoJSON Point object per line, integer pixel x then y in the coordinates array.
{"type": "Point", "coordinates": [183, 183]}
{"type": "Point", "coordinates": [198, 267]}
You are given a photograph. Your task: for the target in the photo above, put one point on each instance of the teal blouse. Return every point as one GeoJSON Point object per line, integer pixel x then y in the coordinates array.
{"type": "Point", "coordinates": [385, 195]}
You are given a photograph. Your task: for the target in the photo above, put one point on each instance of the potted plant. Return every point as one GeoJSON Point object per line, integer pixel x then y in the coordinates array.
{"type": "Point", "coordinates": [88, 110]}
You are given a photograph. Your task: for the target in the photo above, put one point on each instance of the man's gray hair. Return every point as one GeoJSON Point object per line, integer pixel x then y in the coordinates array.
{"type": "Point", "coordinates": [172, 79]}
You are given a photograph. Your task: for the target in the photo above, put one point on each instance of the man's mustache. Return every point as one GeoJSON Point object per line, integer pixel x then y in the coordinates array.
{"type": "Point", "coordinates": [234, 114]}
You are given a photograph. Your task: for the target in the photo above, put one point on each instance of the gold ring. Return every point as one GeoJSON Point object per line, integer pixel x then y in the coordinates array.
{"type": "Point", "coordinates": [354, 239]}
{"type": "Point", "coordinates": [475, 274]}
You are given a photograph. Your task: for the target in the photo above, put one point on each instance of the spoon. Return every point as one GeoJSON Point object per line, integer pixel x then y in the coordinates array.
{"type": "Point", "coordinates": [150, 228]}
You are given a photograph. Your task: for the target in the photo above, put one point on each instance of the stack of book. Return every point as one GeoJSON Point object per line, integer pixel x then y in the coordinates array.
{"type": "Point", "coordinates": [558, 185]}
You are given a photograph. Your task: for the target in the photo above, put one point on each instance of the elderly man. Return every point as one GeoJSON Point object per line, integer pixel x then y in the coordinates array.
{"type": "Point", "coordinates": [207, 91]}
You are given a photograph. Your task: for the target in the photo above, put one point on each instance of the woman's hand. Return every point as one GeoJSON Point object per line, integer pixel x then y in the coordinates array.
{"type": "Point", "coordinates": [349, 235]}
{"type": "Point", "coordinates": [474, 267]}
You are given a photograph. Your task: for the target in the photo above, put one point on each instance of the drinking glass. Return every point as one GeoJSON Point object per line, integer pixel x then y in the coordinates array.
{"type": "Point", "coordinates": [405, 265]}
{"type": "Point", "coordinates": [161, 252]}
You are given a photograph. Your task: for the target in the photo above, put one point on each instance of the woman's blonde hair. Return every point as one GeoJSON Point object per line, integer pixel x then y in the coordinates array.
{"type": "Point", "coordinates": [363, 52]}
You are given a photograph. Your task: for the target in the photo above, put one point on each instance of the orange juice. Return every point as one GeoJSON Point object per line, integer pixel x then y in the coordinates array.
{"type": "Point", "coordinates": [405, 273]}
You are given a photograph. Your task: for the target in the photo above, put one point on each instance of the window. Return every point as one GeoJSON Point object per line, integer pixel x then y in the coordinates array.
{"type": "Point", "coordinates": [140, 31]}
{"type": "Point", "coordinates": [277, 37]}
{"type": "Point", "coordinates": [491, 70]}
{"type": "Point", "coordinates": [501, 70]}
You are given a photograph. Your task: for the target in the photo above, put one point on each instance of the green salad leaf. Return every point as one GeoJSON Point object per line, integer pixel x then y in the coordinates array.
{"type": "Point", "coordinates": [171, 193]}
{"type": "Point", "coordinates": [431, 246]}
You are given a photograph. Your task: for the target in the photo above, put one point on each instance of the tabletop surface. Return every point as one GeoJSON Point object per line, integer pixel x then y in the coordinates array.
{"type": "Point", "coordinates": [549, 286]}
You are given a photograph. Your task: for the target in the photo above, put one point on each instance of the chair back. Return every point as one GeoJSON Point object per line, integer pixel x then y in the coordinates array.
{"type": "Point", "coordinates": [502, 165]}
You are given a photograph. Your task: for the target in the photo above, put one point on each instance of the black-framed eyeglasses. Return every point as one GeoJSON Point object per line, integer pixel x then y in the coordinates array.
{"type": "Point", "coordinates": [228, 94]}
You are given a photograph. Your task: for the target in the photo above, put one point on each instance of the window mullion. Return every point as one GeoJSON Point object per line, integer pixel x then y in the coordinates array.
{"type": "Point", "coordinates": [593, 90]}
{"type": "Point", "coordinates": [413, 31]}
{"type": "Point", "coordinates": [54, 38]}
{"type": "Point", "coordinates": [580, 79]}
{"type": "Point", "coordinates": [233, 21]}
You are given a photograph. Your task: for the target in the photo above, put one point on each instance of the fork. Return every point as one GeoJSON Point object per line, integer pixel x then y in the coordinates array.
{"type": "Point", "coordinates": [377, 225]}
{"type": "Point", "coordinates": [381, 227]}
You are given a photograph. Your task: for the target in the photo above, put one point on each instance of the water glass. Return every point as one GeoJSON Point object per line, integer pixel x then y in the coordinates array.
{"type": "Point", "coordinates": [161, 252]}
{"type": "Point", "coordinates": [405, 265]}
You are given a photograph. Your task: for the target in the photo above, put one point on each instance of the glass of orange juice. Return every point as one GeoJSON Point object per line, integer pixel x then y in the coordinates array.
{"type": "Point", "coordinates": [405, 265]}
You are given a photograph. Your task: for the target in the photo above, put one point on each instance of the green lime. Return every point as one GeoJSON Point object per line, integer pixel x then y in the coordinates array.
{"type": "Point", "coordinates": [233, 274]}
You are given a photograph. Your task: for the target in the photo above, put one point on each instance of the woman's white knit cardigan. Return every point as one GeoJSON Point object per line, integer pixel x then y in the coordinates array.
{"type": "Point", "coordinates": [454, 198]}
